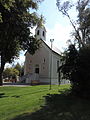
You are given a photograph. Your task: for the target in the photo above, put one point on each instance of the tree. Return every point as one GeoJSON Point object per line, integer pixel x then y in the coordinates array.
{"type": "Point", "coordinates": [15, 21]}
{"type": "Point", "coordinates": [10, 73]}
{"type": "Point", "coordinates": [76, 67]}
{"type": "Point", "coordinates": [20, 68]}
{"type": "Point", "coordinates": [7, 73]}
{"type": "Point", "coordinates": [82, 24]}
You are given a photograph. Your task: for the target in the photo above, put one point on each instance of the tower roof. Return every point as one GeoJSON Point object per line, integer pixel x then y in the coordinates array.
{"type": "Point", "coordinates": [41, 26]}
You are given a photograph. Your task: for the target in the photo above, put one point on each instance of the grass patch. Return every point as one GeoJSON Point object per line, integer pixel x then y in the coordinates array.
{"type": "Point", "coordinates": [16, 101]}
{"type": "Point", "coordinates": [40, 103]}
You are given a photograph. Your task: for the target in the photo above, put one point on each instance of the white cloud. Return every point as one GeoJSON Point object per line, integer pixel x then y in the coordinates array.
{"type": "Point", "coordinates": [60, 34]}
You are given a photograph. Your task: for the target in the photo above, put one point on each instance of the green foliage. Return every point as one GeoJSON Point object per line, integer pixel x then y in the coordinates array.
{"type": "Point", "coordinates": [10, 73]}
{"type": "Point", "coordinates": [83, 68]}
{"type": "Point", "coordinates": [7, 73]}
{"type": "Point", "coordinates": [17, 70]}
{"type": "Point", "coordinates": [69, 59]}
{"type": "Point", "coordinates": [76, 67]}
{"type": "Point", "coordinates": [14, 31]}
{"type": "Point", "coordinates": [20, 68]}
{"type": "Point", "coordinates": [15, 21]}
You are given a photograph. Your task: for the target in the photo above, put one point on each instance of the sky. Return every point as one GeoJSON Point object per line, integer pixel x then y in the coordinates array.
{"type": "Point", "coordinates": [57, 26]}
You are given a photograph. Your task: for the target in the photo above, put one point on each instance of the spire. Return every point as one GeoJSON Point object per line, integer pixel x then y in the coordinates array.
{"type": "Point", "coordinates": [40, 31]}
{"type": "Point", "coordinates": [41, 21]}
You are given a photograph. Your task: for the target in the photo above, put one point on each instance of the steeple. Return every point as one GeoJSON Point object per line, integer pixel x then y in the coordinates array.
{"type": "Point", "coordinates": [40, 31]}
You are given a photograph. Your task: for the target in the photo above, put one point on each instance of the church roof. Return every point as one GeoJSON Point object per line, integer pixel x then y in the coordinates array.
{"type": "Point", "coordinates": [41, 26]}
{"type": "Point", "coordinates": [54, 49]}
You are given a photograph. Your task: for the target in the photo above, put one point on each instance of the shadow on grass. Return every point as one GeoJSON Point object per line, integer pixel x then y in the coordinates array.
{"type": "Point", "coordinates": [16, 96]}
{"type": "Point", "coordinates": [60, 107]}
{"type": "Point", "coordinates": [2, 95]}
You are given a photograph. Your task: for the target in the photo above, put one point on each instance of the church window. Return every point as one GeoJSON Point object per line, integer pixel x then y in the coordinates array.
{"type": "Point", "coordinates": [38, 32]}
{"type": "Point", "coordinates": [44, 60]}
{"type": "Point", "coordinates": [43, 34]}
{"type": "Point", "coordinates": [37, 68]}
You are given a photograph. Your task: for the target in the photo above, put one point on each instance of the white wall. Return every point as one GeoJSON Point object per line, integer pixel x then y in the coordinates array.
{"type": "Point", "coordinates": [54, 75]}
{"type": "Point", "coordinates": [44, 65]}
{"type": "Point", "coordinates": [41, 57]}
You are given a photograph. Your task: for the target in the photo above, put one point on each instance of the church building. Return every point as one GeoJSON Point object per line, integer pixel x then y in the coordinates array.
{"type": "Point", "coordinates": [42, 67]}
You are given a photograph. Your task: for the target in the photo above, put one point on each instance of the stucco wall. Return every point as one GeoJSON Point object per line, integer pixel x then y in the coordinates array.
{"type": "Point", "coordinates": [42, 57]}
{"type": "Point", "coordinates": [54, 74]}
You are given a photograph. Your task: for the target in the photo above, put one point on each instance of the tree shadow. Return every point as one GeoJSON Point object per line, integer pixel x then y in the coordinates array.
{"type": "Point", "coordinates": [16, 96]}
{"type": "Point", "coordinates": [60, 107]}
{"type": "Point", "coordinates": [2, 95]}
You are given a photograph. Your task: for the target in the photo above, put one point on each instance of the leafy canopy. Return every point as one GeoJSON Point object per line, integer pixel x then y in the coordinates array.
{"type": "Point", "coordinates": [15, 21]}
{"type": "Point", "coordinates": [15, 18]}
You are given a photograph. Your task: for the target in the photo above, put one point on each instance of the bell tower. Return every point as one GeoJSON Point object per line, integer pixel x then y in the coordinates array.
{"type": "Point", "coordinates": [40, 32]}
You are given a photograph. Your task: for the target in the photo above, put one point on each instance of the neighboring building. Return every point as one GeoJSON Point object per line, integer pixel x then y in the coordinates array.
{"type": "Point", "coordinates": [43, 65]}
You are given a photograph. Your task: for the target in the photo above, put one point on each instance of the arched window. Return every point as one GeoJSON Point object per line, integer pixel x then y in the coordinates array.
{"type": "Point", "coordinates": [43, 33]}
{"type": "Point", "coordinates": [38, 32]}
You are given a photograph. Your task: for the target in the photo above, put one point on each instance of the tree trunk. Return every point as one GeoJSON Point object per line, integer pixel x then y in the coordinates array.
{"type": "Point", "coordinates": [1, 70]}
{"type": "Point", "coordinates": [1, 78]}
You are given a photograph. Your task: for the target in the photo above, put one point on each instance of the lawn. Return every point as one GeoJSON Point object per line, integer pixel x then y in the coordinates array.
{"type": "Point", "coordinates": [40, 103]}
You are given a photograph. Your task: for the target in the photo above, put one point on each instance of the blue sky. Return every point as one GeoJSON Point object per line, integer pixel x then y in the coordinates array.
{"type": "Point", "coordinates": [57, 26]}
{"type": "Point", "coordinates": [50, 11]}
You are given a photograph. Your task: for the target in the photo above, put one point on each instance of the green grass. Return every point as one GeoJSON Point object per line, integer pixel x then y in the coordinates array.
{"type": "Point", "coordinates": [16, 101]}
{"type": "Point", "coordinates": [40, 103]}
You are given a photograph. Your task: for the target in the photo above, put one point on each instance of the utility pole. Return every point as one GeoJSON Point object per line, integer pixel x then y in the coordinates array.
{"type": "Point", "coordinates": [51, 40]}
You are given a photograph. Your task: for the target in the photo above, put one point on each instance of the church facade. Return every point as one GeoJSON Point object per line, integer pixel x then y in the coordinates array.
{"type": "Point", "coordinates": [42, 67]}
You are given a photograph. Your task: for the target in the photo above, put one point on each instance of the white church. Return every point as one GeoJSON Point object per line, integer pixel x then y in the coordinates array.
{"type": "Point", "coordinates": [42, 67]}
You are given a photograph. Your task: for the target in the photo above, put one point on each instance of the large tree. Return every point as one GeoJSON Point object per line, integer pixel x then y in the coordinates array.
{"type": "Point", "coordinates": [75, 67]}
{"type": "Point", "coordinates": [76, 62]}
{"type": "Point", "coordinates": [81, 26]}
{"type": "Point", "coordinates": [15, 21]}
